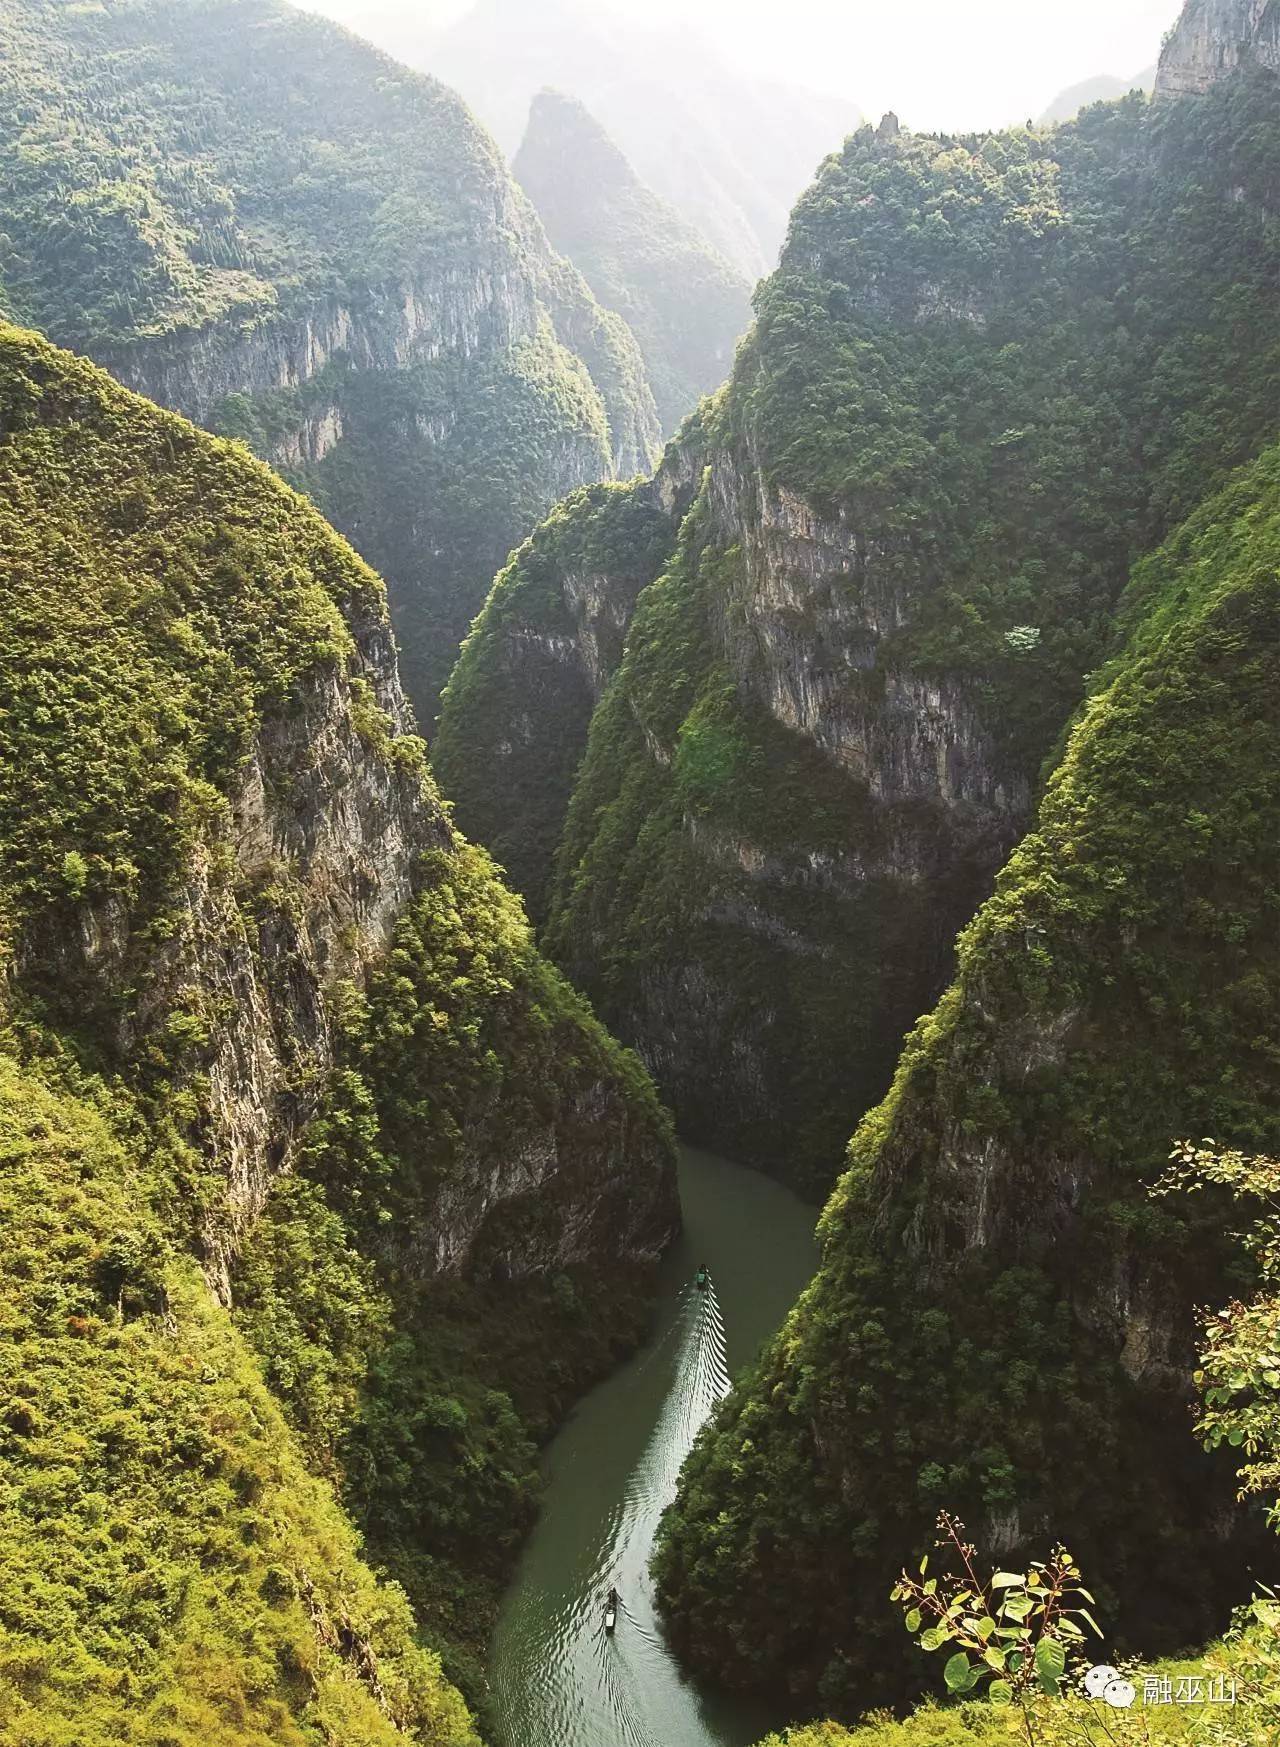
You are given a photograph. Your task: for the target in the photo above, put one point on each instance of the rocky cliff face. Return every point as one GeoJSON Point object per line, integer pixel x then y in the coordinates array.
{"type": "Point", "coordinates": [1004, 1322]}
{"type": "Point", "coordinates": [309, 861]}
{"type": "Point", "coordinates": [389, 325]}
{"type": "Point", "coordinates": [518, 708]}
{"type": "Point", "coordinates": [1213, 38]}
{"type": "Point", "coordinates": [838, 694]}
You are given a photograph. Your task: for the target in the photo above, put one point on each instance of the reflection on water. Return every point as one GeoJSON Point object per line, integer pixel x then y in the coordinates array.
{"type": "Point", "coordinates": [559, 1680]}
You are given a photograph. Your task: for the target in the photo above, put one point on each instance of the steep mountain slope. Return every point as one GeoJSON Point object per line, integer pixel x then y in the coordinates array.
{"type": "Point", "coordinates": [518, 707]}
{"type": "Point", "coordinates": [988, 376]}
{"type": "Point", "coordinates": [264, 1011]}
{"type": "Point", "coordinates": [685, 305]}
{"type": "Point", "coordinates": [260, 221]}
{"type": "Point", "coordinates": [730, 153]}
{"type": "Point", "coordinates": [1002, 1323]}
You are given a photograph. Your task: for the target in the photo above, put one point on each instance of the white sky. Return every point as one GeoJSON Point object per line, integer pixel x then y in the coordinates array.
{"type": "Point", "coordinates": [939, 63]}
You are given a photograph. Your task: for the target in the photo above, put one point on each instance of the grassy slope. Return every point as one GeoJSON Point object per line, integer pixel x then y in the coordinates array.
{"type": "Point", "coordinates": [1001, 1315]}
{"type": "Point", "coordinates": [169, 1570]}
{"type": "Point", "coordinates": [164, 596]}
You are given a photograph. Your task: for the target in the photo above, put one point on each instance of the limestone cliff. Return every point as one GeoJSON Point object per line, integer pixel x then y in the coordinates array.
{"type": "Point", "coordinates": [1003, 1323]}
{"type": "Point", "coordinates": [286, 236]}
{"type": "Point", "coordinates": [1213, 38]}
{"type": "Point", "coordinates": [234, 912]}
{"type": "Point", "coordinates": [837, 697]}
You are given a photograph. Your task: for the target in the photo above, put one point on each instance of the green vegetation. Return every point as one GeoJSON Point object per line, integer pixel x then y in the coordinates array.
{"type": "Point", "coordinates": [507, 434]}
{"type": "Point", "coordinates": [549, 639]}
{"type": "Point", "coordinates": [252, 216]}
{"type": "Point", "coordinates": [1240, 1386]}
{"type": "Point", "coordinates": [154, 178]}
{"type": "Point", "coordinates": [968, 1340]}
{"type": "Point", "coordinates": [197, 724]}
{"type": "Point", "coordinates": [685, 305]}
{"type": "Point", "coordinates": [426, 1397]}
{"type": "Point", "coordinates": [663, 856]}
{"type": "Point", "coordinates": [169, 1570]}
{"type": "Point", "coordinates": [990, 374]}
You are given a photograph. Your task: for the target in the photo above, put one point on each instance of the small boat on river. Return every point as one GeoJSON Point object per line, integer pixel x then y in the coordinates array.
{"type": "Point", "coordinates": [702, 1280]}
{"type": "Point", "coordinates": [611, 1613]}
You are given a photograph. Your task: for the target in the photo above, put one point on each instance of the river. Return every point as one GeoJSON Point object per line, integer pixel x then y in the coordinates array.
{"type": "Point", "coordinates": [558, 1680]}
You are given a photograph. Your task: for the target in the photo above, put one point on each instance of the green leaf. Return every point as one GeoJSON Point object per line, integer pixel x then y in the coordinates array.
{"type": "Point", "coordinates": [1017, 1607]}
{"type": "Point", "coordinates": [993, 1658]}
{"type": "Point", "coordinates": [1001, 1693]}
{"type": "Point", "coordinates": [958, 1673]}
{"type": "Point", "coordinates": [913, 1620]}
{"type": "Point", "coordinates": [1008, 1580]}
{"type": "Point", "coordinates": [934, 1638]}
{"type": "Point", "coordinates": [1051, 1664]}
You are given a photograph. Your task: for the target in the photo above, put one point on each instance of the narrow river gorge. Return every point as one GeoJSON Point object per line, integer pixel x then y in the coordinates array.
{"type": "Point", "coordinates": [559, 1680]}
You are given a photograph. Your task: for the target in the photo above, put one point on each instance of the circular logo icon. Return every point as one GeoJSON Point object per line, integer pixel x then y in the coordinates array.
{"type": "Point", "coordinates": [1120, 1694]}
{"type": "Point", "coordinates": [1099, 1679]}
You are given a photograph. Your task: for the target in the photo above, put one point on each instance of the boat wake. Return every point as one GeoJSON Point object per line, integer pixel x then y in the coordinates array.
{"type": "Point", "coordinates": [596, 1688]}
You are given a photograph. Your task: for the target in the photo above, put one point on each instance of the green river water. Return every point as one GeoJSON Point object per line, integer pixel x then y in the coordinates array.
{"type": "Point", "coordinates": [558, 1680]}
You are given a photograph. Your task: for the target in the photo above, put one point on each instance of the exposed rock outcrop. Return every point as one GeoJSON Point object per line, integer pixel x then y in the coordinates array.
{"type": "Point", "coordinates": [1213, 38]}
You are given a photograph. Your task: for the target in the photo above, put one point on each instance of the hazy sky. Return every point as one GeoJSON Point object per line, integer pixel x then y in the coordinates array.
{"type": "Point", "coordinates": [940, 63]}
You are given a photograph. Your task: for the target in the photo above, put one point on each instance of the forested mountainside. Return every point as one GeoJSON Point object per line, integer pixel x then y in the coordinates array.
{"type": "Point", "coordinates": [729, 152]}
{"type": "Point", "coordinates": [1003, 1321]}
{"type": "Point", "coordinates": [683, 302]}
{"type": "Point", "coordinates": [990, 373]}
{"type": "Point", "coordinates": [313, 1170]}
{"type": "Point", "coordinates": [258, 220]}
{"type": "Point", "coordinates": [541, 656]}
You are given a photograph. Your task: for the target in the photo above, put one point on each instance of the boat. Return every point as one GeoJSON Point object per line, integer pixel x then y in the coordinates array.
{"type": "Point", "coordinates": [703, 1279]}
{"type": "Point", "coordinates": [611, 1612]}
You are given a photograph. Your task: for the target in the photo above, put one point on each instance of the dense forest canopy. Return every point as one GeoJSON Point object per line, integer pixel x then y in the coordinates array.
{"type": "Point", "coordinates": [151, 180]}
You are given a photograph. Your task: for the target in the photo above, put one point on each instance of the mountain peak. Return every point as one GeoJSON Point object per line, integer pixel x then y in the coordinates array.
{"type": "Point", "coordinates": [566, 145]}
{"type": "Point", "coordinates": [1212, 38]}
